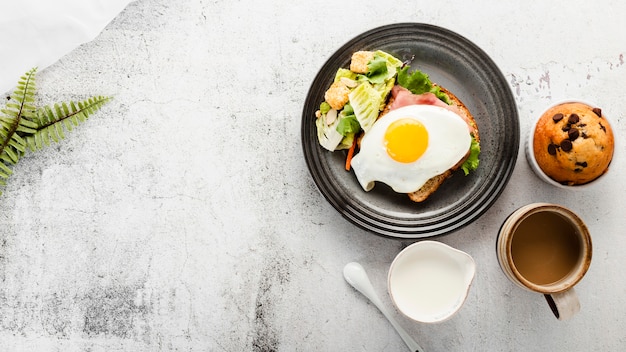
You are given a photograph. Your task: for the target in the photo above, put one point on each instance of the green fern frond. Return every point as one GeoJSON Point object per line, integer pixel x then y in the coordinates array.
{"type": "Point", "coordinates": [16, 120]}
{"type": "Point", "coordinates": [52, 121]}
{"type": "Point", "coordinates": [23, 126]}
{"type": "Point", "coordinates": [22, 101]}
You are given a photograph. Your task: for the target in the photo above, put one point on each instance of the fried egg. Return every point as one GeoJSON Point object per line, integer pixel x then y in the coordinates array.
{"type": "Point", "coordinates": [408, 146]}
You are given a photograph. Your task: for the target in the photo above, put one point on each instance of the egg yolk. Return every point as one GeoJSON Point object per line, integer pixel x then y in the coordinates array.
{"type": "Point", "coordinates": [406, 140]}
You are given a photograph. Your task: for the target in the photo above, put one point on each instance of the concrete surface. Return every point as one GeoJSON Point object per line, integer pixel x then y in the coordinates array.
{"type": "Point", "coordinates": [182, 217]}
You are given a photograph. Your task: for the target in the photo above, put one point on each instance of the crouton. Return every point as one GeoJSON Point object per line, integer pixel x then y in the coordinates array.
{"type": "Point", "coordinates": [359, 61]}
{"type": "Point", "coordinates": [337, 95]}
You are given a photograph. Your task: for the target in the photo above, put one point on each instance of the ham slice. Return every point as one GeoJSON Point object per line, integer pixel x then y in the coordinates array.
{"type": "Point", "coordinates": [403, 97]}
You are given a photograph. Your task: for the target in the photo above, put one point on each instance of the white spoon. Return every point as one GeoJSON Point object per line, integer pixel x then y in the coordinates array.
{"type": "Point", "coordinates": [356, 276]}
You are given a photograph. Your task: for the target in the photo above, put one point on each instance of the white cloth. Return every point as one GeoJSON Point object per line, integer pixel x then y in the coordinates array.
{"type": "Point", "coordinates": [36, 33]}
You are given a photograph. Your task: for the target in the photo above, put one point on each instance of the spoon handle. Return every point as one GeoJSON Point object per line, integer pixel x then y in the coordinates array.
{"type": "Point", "coordinates": [356, 276]}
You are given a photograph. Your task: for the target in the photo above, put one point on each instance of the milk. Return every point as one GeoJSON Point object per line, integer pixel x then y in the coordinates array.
{"type": "Point", "coordinates": [430, 284]}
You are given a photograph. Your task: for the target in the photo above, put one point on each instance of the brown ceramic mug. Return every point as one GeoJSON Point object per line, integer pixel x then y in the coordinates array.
{"type": "Point", "coordinates": [546, 248]}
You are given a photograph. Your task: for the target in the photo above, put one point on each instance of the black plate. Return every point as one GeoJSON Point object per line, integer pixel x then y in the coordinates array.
{"type": "Point", "coordinates": [457, 64]}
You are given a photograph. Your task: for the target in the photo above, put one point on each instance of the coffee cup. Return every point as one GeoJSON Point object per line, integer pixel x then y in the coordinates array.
{"type": "Point", "coordinates": [546, 248]}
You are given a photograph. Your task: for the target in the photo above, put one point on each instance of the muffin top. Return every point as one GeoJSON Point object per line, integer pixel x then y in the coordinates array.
{"type": "Point", "coordinates": [573, 143]}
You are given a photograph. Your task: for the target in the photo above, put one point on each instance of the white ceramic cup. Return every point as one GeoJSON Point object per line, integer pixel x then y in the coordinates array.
{"type": "Point", "coordinates": [429, 281]}
{"type": "Point", "coordinates": [546, 248]}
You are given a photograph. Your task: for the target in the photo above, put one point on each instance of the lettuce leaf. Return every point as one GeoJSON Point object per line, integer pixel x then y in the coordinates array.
{"type": "Point", "coordinates": [347, 121]}
{"type": "Point", "coordinates": [392, 61]}
{"type": "Point", "coordinates": [346, 142]}
{"type": "Point", "coordinates": [327, 135]}
{"type": "Point", "coordinates": [377, 70]}
{"type": "Point", "coordinates": [382, 67]}
{"type": "Point", "coordinates": [366, 101]}
{"type": "Point", "coordinates": [472, 161]}
{"type": "Point", "coordinates": [418, 83]}
{"type": "Point", "coordinates": [344, 72]}
{"type": "Point", "coordinates": [384, 90]}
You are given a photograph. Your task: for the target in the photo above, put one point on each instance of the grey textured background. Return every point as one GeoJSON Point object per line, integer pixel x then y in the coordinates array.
{"type": "Point", "coordinates": [182, 217]}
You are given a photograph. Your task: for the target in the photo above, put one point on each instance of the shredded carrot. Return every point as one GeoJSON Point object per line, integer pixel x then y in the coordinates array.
{"type": "Point", "coordinates": [350, 154]}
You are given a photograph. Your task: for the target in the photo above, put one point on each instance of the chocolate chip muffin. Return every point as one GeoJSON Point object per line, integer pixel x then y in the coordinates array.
{"type": "Point", "coordinates": [573, 143]}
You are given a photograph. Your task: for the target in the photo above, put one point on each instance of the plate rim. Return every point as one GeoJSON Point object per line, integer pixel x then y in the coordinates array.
{"type": "Point", "coordinates": [405, 228]}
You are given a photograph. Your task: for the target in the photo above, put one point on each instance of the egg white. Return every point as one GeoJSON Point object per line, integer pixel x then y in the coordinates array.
{"type": "Point", "coordinates": [449, 141]}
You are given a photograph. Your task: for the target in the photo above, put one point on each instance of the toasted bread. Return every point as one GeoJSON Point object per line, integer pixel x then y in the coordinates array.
{"type": "Point", "coordinates": [433, 184]}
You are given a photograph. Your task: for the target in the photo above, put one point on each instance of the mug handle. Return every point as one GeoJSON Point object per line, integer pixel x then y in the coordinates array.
{"type": "Point", "coordinates": [564, 304]}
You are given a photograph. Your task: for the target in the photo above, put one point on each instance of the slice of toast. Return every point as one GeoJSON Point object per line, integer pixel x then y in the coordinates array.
{"type": "Point", "coordinates": [433, 184]}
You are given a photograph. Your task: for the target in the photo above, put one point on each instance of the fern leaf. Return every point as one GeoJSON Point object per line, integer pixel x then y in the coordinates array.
{"type": "Point", "coordinates": [28, 124]}
{"type": "Point", "coordinates": [58, 130]}
{"type": "Point", "coordinates": [19, 147]}
{"type": "Point", "coordinates": [44, 137]}
{"type": "Point", "coordinates": [5, 170]}
{"type": "Point", "coordinates": [15, 119]}
{"type": "Point", "coordinates": [13, 156]}
{"type": "Point", "coordinates": [22, 128]}
{"type": "Point", "coordinates": [35, 142]}
{"type": "Point", "coordinates": [23, 98]}
{"type": "Point", "coordinates": [14, 107]}
{"type": "Point", "coordinates": [25, 127]}
{"type": "Point", "coordinates": [57, 110]}
{"type": "Point", "coordinates": [53, 121]}
{"type": "Point", "coordinates": [7, 160]}
{"type": "Point", "coordinates": [68, 124]}
{"type": "Point", "coordinates": [30, 143]}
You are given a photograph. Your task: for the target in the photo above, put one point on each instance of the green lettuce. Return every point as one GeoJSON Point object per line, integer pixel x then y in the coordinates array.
{"type": "Point", "coordinates": [340, 134]}
{"type": "Point", "coordinates": [366, 100]}
{"type": "Point", "coordinates": [382, 67]}
{"type": "Point", "coordinates": [344, 72]}
{"type": "Point", "coordinates": [348, 124]}
{"type": "Point", "coordinates": [472, 161]}
{"type": "Point", "coordinates": [346, 142]}
{"type": "Point", "coordinates": [327, 135]}
{"type": "Point", "coordinates": [418, 83]}
{"type": "Point", "coordinates": [377, 70]}
{"type": "Point", "coordinates": [392, 61]}
{"type": "Point", "coordinates": [385, 89]}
